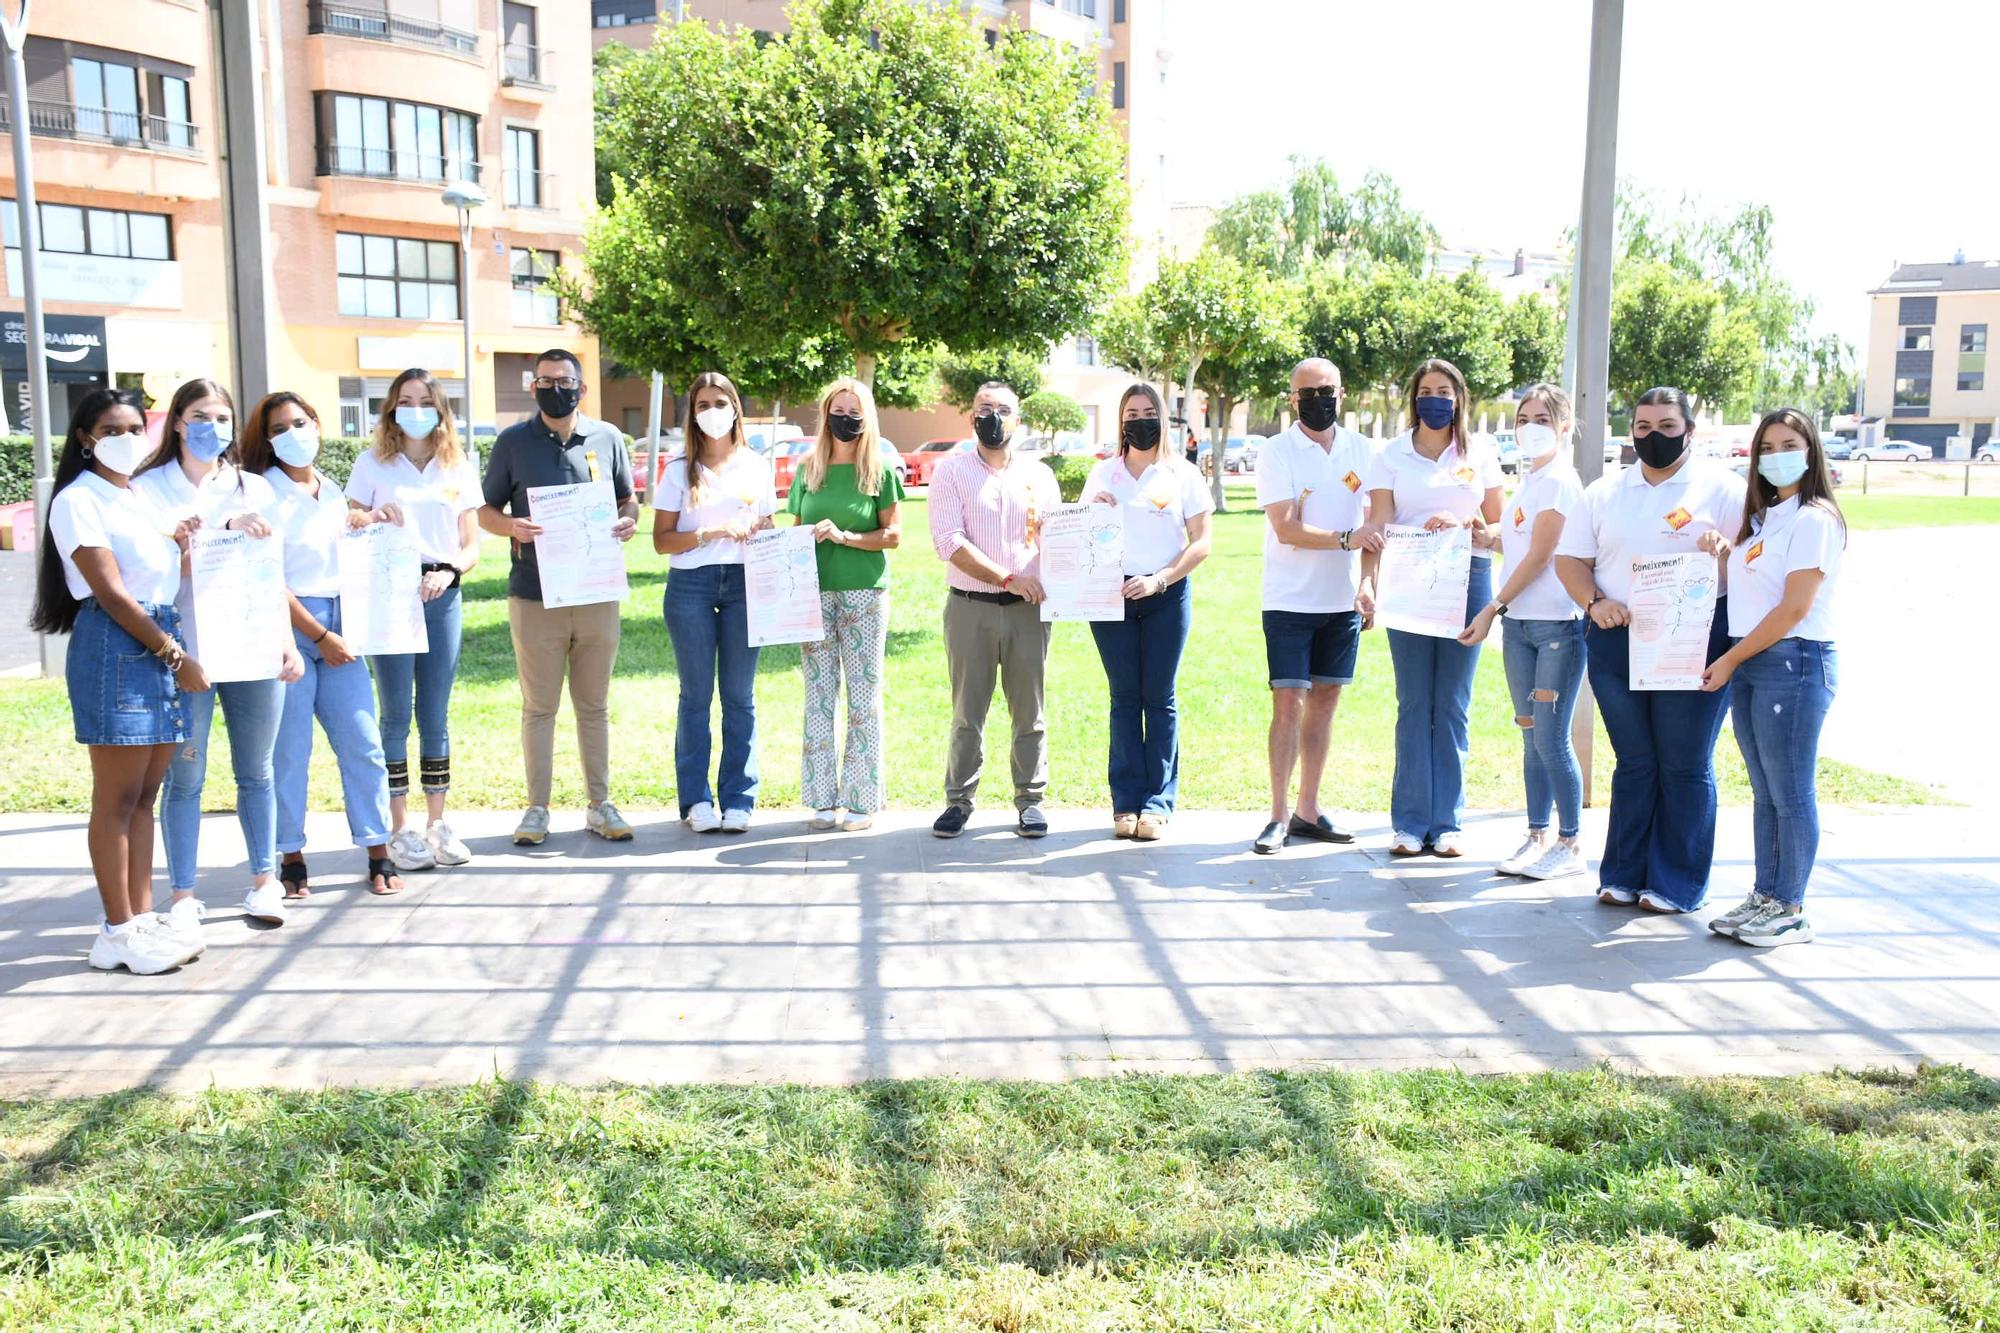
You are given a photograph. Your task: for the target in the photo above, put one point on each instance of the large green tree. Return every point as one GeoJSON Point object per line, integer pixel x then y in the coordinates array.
{"type": "Point", "coordinates": [1287, 230]}
{"type": "Point", "coordinates": [877, 172]}
{"type": "Point", "coordinates": [1669, 328]}
{"type": "Point", "coordinates": [1533, 331]}
{"type": "Point", "coordinates": [961, 373]}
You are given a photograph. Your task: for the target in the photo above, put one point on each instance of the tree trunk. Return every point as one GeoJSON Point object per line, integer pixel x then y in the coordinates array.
{"type": "Point", "coordinates": [864, 368]}
{"type": "Point", "coordinates": [1218, 450]}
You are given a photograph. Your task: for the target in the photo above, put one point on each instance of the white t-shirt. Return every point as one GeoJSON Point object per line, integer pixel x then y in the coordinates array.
{"type": "Point", "coordinates": [219, 498]}
{"type": "Point", "coordinates": [90, 511]}
{"type": "Point", "coordinates": [1553, 487]}
{"type": "Point", "coordinates": [1452, 483]}
{"type": "Point", "coordinates": [1158, 504]}
{"type": "Point", "coordinates": [310, 526]}
{"type": "Point", "coordinates": [741, 488]}
{"type": "Point", "coordinates": [432, 498]}
{"type": "Point", "coordinates": [1331, 485]}
{"type": "Point", "coordinates": [1787, 539]}
{"type": "Point", "coordinates": [1625, 516]}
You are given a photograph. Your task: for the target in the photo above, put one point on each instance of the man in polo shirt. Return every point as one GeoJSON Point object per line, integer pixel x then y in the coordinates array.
{"type": "Point", "coordinates": [1312, 487]}
{"type": "Point", "coordinates": [555, 447]}
{"type": "Point", "coordinates": [985, 509]}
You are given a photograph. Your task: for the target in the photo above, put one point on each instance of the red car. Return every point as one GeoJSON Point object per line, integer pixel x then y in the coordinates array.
{"type": "Point", "coordinates": [922, 462]}
{"type": "Point", "coordinates": [785, 456]}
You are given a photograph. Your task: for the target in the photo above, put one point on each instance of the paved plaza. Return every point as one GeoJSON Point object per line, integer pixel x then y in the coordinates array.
{"type": "Point", "coordinates": [788, 955]}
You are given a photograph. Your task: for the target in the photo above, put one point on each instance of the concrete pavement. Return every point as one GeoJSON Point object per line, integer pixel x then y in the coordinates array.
{"type": "Point", "coordinates": [783, 955]}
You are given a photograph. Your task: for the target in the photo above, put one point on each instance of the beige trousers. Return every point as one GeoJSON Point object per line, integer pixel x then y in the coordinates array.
{"type": "Point", "coordinates": [579, 640]}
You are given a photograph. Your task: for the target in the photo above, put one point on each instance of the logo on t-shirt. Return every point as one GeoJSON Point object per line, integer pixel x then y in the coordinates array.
{"type": "Point", "coordinates": [1750, 556]}
{"type": "Point", "coordinates": [1679, 519]}
{"type": "Point", "coordinates": [1159, 497]}
{"type": "Point", "coordinates": [1351, 481]}
{"type": "Point", "coordinates": [1520, 516]}
{"type": "Point", "coordinates": [450, 494]}
{"type": "Point", "coordinates": [1464, 476]}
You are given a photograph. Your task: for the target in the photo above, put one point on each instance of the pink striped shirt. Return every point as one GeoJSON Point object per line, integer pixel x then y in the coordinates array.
{"type": "Point", "coordinates": [991, 509]}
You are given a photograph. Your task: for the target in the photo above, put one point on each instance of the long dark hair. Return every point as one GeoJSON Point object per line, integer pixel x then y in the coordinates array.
{"type": "Point", "coordinates": [709, 379]}
{"type": "Point", "coordinates": [1815, 488]}
{"type": "Point", "coordinates": [1460, 396]}
{"type": "Point", "coordinates": [55, 609]}
{"type": "Point", "coordinates": [253, 437]}
{"type": "Point", "coordinates": [1668, 396]}
{"type": "Point", "coordinates": [173, 434]}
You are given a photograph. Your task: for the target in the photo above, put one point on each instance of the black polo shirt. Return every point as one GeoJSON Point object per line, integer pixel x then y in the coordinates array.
{"type": "Point", "coordinates": [528, 453]}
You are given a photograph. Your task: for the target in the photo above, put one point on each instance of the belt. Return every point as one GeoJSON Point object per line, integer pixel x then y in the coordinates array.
{"type": "Point", "coordinates": [444, 566]}
{"type": "Point", "coordinates": [997, 598]}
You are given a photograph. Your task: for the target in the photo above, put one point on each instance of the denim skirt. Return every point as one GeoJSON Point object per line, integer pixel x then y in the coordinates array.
{"type": "Point", "coordinates": [119, 693]}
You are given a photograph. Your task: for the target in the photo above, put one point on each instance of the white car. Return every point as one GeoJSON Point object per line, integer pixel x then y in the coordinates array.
{"type": "Point", "coordinates": [1988, 453]}
{"type": "Point", "coordinates": [1891, 451]}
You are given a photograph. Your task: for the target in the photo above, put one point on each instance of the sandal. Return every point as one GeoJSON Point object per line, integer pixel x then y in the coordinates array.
{"type": "Point", "coordinates": [292, 874]}
{"type": "Point", "coordinates": [382, 877]}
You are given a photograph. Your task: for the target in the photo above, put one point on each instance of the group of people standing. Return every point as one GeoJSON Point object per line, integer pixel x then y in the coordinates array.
{"type": "Point", "coordinates": [127, 507]}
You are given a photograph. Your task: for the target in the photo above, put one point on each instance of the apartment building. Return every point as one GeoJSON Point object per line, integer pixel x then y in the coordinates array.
{"type": "Point", "coordinates": [1930, 374]}
{"type": "Point", "coordinates": [1129, 40]}
{"type": "Point", "coordinates": [370, 108]}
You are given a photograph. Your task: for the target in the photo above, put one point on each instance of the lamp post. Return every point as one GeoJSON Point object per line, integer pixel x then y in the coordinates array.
{"type": "Point", "coordinates": [465, 196]}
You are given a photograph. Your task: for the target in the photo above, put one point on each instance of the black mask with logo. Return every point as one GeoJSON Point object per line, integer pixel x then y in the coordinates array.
{"type": "Point", "coordinates": [843, 427]}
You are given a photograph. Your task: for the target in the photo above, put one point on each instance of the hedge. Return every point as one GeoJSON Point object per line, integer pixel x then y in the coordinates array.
{"type": "Point", "coordinates": [17, 463]}
{"type": "Point", "coordinates": [1071, 470]}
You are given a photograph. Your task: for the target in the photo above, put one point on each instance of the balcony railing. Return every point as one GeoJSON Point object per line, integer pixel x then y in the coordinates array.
{"type": "Point", "coordinates": [523, 65]}
{"type": "Point", "coordinates": [96, 124]}
{"type": "Point", "coordinates": [358, 18]}
{"type": "Point", "coordinates": [336, 159]}
{"type": "Point", "coordinates": [528, 189]}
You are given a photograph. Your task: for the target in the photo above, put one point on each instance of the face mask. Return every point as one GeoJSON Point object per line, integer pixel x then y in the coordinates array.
{"type": "Point", "coordinates": [122, 453]}
{"type": "Point", "coordinates": [1535, 439]}
{"type": "Point", "coordinates": [715, 421]}
{"type": "Point", "coordinates": [417, 422]}
{"type": "Point", "coordinates": [207, 439]}
{"type": "Point", "coordinates": [1319, 413]}
{"type": "Point", "coordinates": [298, 446]}
{"type": "Point", "coordinates": [991, 429]}
{"type": "Point", "coordinates": [1782, 470]}
{"type": "Point", "coordinates": [1436, 413]}
{"type": "Point", "coordinates": [1140, 433]}
{"type": "Point", "coordinates": [558, 403]}
{"type": "Point", "coordinates": [843, 427]}
{"type": "Point", "coordinates": [1659, 450]}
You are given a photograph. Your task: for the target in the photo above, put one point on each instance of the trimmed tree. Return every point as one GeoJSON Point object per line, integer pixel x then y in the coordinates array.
{"type": "Point", "coordinates": [1049, 412]}
{"type": "Point", "coordinates": [961, 373]}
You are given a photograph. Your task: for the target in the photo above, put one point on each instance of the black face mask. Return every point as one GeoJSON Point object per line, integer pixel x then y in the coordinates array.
{"type": "Point", "coordinates": [1140, 433]}
{"type": "Point", "coordinates": [1318, 413]}
{"type": "Point", "coordinates": [558, 403]}
{"type": "Point", "coordinates": [843, 427]}
{"type": "Point", "coordinates": [991, 430]}
{"type": "Point", "coordinates": [1659, 450]}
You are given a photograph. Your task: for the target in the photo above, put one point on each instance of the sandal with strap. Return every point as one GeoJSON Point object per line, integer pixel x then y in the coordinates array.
{"type": "Point", "coordinates": [292, 874]}
{"type": "Point", "coordinates": [382, 877]}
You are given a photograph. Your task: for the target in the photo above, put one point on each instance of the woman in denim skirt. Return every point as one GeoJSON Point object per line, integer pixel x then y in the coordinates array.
{"type": "Point", "coordinates": [108, 577]}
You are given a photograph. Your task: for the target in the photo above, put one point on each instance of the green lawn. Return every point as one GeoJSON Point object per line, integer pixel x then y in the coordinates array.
{"type": "Point", "coordinates": [1865, 512]}
{"type": "Point", "coordinates": [1263, 1201]}
{"type": "Point", "coordinates": [1224, 707]}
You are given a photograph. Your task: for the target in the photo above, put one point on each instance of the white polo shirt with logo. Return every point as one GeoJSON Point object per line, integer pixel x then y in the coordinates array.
{"type": "Point", "coordinates": [1552, 488]}
{"type": "Point", "coordinates": [1453, 483]}
{"type": "Point", "coordinates": [1330, 485]}
{"type": "Point", "coordinates": [432, 497]}
{"type": "Point", "coordinates": [1788, 538]}
{"type": "Point", "coordinates": [1626, 516]}
{"type": "Point", "coordinates": [1158, 504]}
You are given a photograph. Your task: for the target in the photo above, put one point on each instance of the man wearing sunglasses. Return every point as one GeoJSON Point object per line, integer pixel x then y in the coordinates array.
{"type": "Point", "coordinates": [986, 507]}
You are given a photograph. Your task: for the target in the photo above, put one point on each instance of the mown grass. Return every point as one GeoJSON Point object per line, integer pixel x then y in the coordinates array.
{"type": "Point", "coordinates": [1873, 512]}
{"type": "Point", "coordinates": [1262, 1201]}
{"type": "Point", "coordinates": [1225, 709]}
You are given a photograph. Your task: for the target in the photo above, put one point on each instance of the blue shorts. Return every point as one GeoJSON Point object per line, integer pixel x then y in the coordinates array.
{"type": "Point", "coordinates": [119, 693]}
{"type": "Point", "coordinates": [1307, 648]}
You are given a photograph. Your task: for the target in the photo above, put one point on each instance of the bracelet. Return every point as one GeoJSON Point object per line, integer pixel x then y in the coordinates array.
{"type": "Point", "coordinates": [1007, 581]}
{"type": "Point", "coordinates": [171, 652]}
{"type": "Point", "coordinates": [324, 630]}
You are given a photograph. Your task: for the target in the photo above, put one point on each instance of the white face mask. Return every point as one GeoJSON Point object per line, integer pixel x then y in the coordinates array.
{"type": "Point", "coordinates": [298, 446]}
{"type": "Point", "coordinates": [1535, 439]}
{"type": "Point", "coordinates": [121, 453]}
{"type": "Point", "coordinates": [715, 421]}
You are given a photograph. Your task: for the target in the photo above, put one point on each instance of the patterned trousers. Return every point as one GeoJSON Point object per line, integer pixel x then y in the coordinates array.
{"type": "Point", "coordinates": [857, 634]}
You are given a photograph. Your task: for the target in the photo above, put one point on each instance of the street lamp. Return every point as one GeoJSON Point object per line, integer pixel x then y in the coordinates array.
{"type": "Point", "coordinates": [465, 196]}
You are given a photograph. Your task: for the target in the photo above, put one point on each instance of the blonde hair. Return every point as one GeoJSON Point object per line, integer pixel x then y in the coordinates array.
{"type": "Point", "coordinates": [1561, 415]}
{"type": "Point", "coordinates": [867, 462]}
{"type": "Point", "coordinates": [389, 436]}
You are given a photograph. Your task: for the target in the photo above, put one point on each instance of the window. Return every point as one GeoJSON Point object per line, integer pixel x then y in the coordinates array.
{"type": "Point", "coordinates": [68, 229]}
{"type": "Point", "coordinates": [1972, 338]}
{"type": "Point", "coordinates": [533, 273]}
{"type": "Point", "coordinates": [388, 277]}
{"type": "Point", "coordinates": [1913, 392]}
{"type": "Point", "coordinates": [1086, 350]}
{"type": "Point", "coordinates": [373, 136]}
{"type": "Point", "coordinates": [1971, 381]}
{"type": "Point", "coordinates": [1917, 339]}
{"type": "Point", "coordinates": [523, 155]}
{"type": "Point", "coordinates": [633, 425]}
{"type": "Point", "coordinates": [107, 98]}
{"type": "Point", "coordinates": [1118, 84]}
{"type": "Point", "coordinates": [619, 13]}
{"type": "Point", "coordinates": [1117, 11]}
{"type": "Point", "coordinates": [520, 53]}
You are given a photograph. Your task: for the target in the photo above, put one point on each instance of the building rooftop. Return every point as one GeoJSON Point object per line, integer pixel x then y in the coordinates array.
{"type": "Point", "coordinates": [1963, 275]}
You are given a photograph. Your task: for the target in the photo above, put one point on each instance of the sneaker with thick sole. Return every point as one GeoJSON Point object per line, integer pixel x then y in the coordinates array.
{"type": "Point", "coordinates": [1613, 895]}
{"type": "Point", "coordinates": [533, 828]}
{"type": "Point", "coordinates": [1653, 902]}
{"type": "Point", "coordinates": [1727, 923]}
{"type": "Point", "coordinates": [1524, 856]}
{"type": "Point", "coordinates": [1031, 823]}
{"type": "Point", "coordinates": [1448, 845]}
{"type": "Point", "coordinates": [1557, 861]}
{"type": "Point", "coordinates": [141, 948]}
{"type": "Point", "coordinates": [604, 820]}
{"type": "Point", "coordinates": [445, 845]}
{"type": "Point", "coordinates": [856, 820]}
{"type": "Point", "coordinates": [265, 902]}
{"type": "Point", "coordinates": [824, 819]}
{"type": "Point", "coordinates": [951, 823]}
{"type": "Point", "coordinates": [182, 923]}
{"type": "Point", "coordinates": [410, 852]}
{"type": "Point", "coordinates": [1779, 923]}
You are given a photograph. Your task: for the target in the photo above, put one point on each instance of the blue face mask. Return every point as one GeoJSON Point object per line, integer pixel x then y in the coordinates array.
{"type": "Point", "coordinates": [1782, 470]}
{"type": "Point", "coordinates": [1437, 413]}
{"type": "Point", "coordinates": [417, 422]}
{"type": "Point", "coordinates": [207, 439]}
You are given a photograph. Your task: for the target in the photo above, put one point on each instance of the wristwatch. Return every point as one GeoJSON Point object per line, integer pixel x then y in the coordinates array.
{"type": "Point", "coordinates": [1499, 608]}
{"type": "Point", "coordinates": [1344, 539]}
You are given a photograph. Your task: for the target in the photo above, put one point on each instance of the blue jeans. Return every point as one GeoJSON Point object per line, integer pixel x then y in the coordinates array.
{"type": "Point", "coordinates": [1142, 658]}
{"type": "Point", "coordinates": [1778, 700]}
{"type": "Point", "coordinates": [710, 628]}
{"type": "Point", "coordinates": [343, 699]}
{"type": "Point", "coordinates": [427, 676]}
{"type": "Point", "coordinates": [1661, 837]}
{"type": "Point", "coordinates": [252, 709]}
{"type": "Point", "coordinates": [1546, 656]}
{"type": "Point", "coordinates": [1433, 697]}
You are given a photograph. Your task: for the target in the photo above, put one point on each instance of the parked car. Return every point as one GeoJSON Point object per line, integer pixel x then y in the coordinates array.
{"type": "Point", "coordinates": [785, 456]}
{"type": "Point", "coordinates": [1510, 452]}
{"type": "Point", "coordinates": [1618, 449]}
{"type": "Point", "coordinates": [1837, 446]}
{"type": "Point", "coordinates": [1891, 451]}
{"type": "Point", "coordinates": [1240, 453]}
{"type": "Point", "coordinates": [1988, 453]}
{"type": "Point", "coordinates": [924, 461]}
{"type": "Point", "coordinates": [892, 459]}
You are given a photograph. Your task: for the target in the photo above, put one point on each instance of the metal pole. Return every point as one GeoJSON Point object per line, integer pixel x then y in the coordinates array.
{"type": "Point", "coordinates": [14, 31]}
{"type": "Point", "coordinates": [465, 310]}
{"type": "Point", "coordinates": [246, 214]}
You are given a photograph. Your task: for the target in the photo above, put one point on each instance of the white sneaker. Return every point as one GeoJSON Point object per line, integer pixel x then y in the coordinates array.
{"type": "Point", "coordinates": [855, 821]}
{"type": "Point", "coordinates": [701, 817]}
{"type": "Point", "coordinates": [265, 902]}
{"type": "Point", "coordinates": [1556, 862]}
{"type": "Point", "coordinates": [409, 851]}
{"type": "Point", "coordinates": [823, 819]}
{"type": "Point", "coordinates": [1406, 844]}
{"type": "Point", "coordinates": [1727, 923]}
{"type": "Point", "coordinates": [182, 923]}
{"type": "Point", "coordinates": [445, 846]}
{"type": "Point", "coordinates": [1448, 845]}
{"type": "Point", "coordinates": [1613, 895]}
{"type": "Point", "coordinates": [1526, 855]}
{"type": "Point", "coordinates": [735, 821]}
{"type": "Point", "coordinates": [141, 948]}
{"type": "Point", "coordinates": [1653, 902]}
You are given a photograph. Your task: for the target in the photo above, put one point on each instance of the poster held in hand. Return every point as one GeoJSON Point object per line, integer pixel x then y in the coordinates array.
{"type": "Point", "coordinates": [1673, 608]}
{"type": "Point", "coordinates": [781, 587]}
{"type": "Point", "coordinates": [241, 617]}
{"type": "Point", "coordinates": [381, 591]}
{"type": "Point", "coordinates": [581, 563]}
{"type": "Point", "coordinates": [1421, 583]}
{"type": "Point", "coordinates": [1083, 562]}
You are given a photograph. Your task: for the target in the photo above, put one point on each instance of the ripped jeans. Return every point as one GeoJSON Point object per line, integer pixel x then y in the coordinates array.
{"type": "Point", "coordinates": [1544, 661]}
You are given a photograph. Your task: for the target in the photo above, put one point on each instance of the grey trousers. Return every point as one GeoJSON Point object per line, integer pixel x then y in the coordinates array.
{"type": "Point", "coordinates": [984, 641]}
